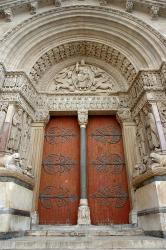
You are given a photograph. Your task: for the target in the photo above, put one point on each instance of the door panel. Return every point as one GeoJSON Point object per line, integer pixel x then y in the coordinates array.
{"type": "Point", "coordinates": [107, 181]}
{"type": "Point", "coordinates": [59, 187]}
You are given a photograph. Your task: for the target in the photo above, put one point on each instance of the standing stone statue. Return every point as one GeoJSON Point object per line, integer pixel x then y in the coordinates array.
{"type": "Point", "coordinates": [15, 134]}
{"type": "Point", "coordinates": [162, 111]}
{"type": "Point", "coordinates": [25, 138]}
{"type": "Point", "coordinates": [151, 129]}
{"type": "Point", "coordinates": [3, 111]}
{"type": "Point", "coordinates": [140, 138]}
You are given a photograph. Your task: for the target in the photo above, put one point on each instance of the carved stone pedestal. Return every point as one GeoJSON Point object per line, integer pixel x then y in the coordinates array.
{"type": "Point", "coordinates": [151, 201]}
{"type": "Point", "coordinates": [84, 213]}
{"type": "Point", "coordinates": [15, 201]}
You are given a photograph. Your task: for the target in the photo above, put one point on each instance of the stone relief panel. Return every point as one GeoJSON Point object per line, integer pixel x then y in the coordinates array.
{"type": "Point", "coordinates": [19, 137]}
{"type": "Point", "coordinates": [83, 78]}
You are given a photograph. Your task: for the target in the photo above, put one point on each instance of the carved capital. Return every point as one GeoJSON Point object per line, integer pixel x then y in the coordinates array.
{"type": "Point", "coordinates": [124, 115]}
{"type": "Point", "coordinates": [83, 117]}
{"type": "Point", "coordinates": [42, 116]}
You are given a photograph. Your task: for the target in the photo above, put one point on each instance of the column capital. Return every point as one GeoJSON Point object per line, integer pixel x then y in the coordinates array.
{"type": "Point", "coordinates": [124, 115]}
{"type": "Point", "coordinates": [83, 117]}
{"type": "Point", "coordinates": [42, 116]}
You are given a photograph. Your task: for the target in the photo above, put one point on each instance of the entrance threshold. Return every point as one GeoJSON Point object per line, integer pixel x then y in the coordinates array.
{"type": "Point", "coordinates": [85, 230]}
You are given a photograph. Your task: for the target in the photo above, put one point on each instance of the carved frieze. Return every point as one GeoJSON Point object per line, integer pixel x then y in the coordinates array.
{"type": "Point", "coordinates": [145, 81]}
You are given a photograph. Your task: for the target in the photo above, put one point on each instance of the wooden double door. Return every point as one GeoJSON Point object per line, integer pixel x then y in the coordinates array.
{"type": "Point", "coordinates": [106, 174]}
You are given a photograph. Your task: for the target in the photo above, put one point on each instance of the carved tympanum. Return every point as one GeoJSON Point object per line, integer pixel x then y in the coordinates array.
{"type": "Point", "coordinates": [82, 77]}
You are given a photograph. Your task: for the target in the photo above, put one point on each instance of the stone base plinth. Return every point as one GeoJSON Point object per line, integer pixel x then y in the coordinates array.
{"type": "Point", "coordinates": [150, 197]}
{"type": "Point", "coordinates": [84, 213]}
{"type": "Point", "coordinates": [15, 201]}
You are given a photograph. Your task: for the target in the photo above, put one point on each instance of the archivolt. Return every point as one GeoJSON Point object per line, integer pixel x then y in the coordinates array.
{"type": "Point", "coordinates": [83, 49]}
{"type": "Point", "coordinates": [118, 33]}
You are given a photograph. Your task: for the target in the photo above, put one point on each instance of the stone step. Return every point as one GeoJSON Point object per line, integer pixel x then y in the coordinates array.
{"type": "Point", "coordinates": [80, 231]}
{"type": "Point", "coordinates": [87, 242]}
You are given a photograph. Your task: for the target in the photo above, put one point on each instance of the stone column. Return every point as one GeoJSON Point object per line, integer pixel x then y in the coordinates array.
{"type": "Point", "coordinates": [83, 210]}
{"type": "Point", "coordinates": [7, 127]}
{"type": "Point", "coordinates": [36, 153]}
{"type": "Point", "coordinates": [129, 142]}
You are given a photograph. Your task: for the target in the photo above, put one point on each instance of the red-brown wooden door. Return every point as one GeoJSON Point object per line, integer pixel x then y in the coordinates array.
{"type": "Point", "coordinates": [107, 180]}
{"type": "Point", "coordinates": [59, 186]}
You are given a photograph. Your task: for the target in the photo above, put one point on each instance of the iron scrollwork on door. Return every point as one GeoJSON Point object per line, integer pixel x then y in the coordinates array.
{"type": "Point", "coordinates": [56, 196]}
{"type": "Point", "coordinates": [108, 163]}
{"type": "Point", "coordinates": [107, 134]}
{"type": "Point", "coordinates": [55, 135]}
{"type": "Point", "coordinates": [58, 163]}
{"type": "Point", "coordinates": [113, 196]}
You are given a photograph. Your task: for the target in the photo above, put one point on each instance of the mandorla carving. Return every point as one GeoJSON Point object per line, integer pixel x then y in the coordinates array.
{"type": "Point", "coordinates": [82, 77]}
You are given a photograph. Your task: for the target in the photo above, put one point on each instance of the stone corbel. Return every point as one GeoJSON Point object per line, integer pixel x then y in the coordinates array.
{"type": "Point", "coordinates": [154, 11]}
{"type": "Point", "coordinates": [57, 3]}
{"type": "Point", "coordinates": [83, 117]}
{"type": "Point", "coordinates": [103, 2]}
{"type": "Point", "coordinates": [129, 6]}
{"type": "Point", "coordinates": [33, 7]}
{"type": "Point", "coordinates": [8, 14]}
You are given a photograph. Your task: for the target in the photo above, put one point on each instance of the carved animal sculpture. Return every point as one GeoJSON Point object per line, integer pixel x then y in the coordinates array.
{"type": "Point", "coordinates": [158, 159]}
{"type": "Point", "coordinates": [11, 162]}
{"type": "Point", "coordinates": [140, 169]}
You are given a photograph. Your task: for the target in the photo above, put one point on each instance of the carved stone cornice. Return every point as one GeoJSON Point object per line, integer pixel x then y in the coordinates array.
{"type": "Point", "coordinates": [16, 175]}
{"type": "Point", "coordinates": [152, 4]}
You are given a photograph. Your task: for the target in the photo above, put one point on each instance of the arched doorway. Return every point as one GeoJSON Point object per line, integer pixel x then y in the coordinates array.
{"type": "Point", "coordinates": [60, 176]}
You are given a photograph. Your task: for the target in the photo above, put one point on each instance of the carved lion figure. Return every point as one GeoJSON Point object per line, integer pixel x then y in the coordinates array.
{"type": "Point", "coordinates": [11, 162]}
{"type": "Point", "coordinates": [158, 159]}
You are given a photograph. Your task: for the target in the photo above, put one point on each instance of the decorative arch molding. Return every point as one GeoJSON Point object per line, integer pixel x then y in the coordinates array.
{"type": "Point", "coordinates": [83, 49]}
{"type": "Point", "coordinates": [139, 42]}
